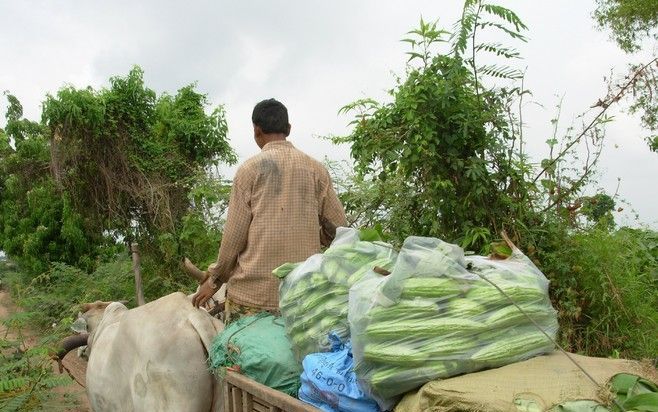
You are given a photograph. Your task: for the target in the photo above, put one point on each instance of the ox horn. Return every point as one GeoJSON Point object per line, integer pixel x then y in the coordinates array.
{"type": "Point", "coordinates": [67, 345]}
{"type": "Point", "coordinates": [189, 268]}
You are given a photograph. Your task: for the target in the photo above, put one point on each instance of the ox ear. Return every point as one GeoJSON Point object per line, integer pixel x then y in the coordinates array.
{"type": "Point", "coordinates": [86, 307]}
{"type": "Point", "coordinates": [206, 326]}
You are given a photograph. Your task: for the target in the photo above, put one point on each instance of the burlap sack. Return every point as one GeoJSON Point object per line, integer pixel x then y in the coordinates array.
{"type": "Point", "coordinates": [536, 384]}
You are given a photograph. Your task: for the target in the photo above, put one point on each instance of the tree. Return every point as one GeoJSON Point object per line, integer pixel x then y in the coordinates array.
{"type": "Point", "coordinates": [130, 159]}
{"type": "Point", "coordinates": [630, 21]}
{"type": "Point", "coordinates": [442, 145]}
{"type": "Point", "coordinates": [37, 222]}
{"type": "Point", "coordinates": [121, 164]}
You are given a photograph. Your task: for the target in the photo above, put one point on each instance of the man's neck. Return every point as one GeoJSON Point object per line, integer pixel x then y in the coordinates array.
{"type": "Point", "coordinates": [274, 137]}
{"type": "Point", "coordinates": [269, 138]}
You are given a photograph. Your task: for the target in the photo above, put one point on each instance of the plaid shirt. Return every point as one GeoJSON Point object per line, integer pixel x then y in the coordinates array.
{"type": "Point", "coordinates": [281, 208]}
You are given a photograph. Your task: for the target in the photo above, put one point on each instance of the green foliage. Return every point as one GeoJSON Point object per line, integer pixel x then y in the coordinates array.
{"type": "Point", "coordinates": [605, 287]}
{"type": "Point", "coordinates": [110, 165]}
{"type": "Point", "coordinates": [200, 138]}
{"type": "Point", "coordinates": [26, 372]}
{"type": "Point", "coordinates": [598, 207]}
{"type": "Point", "coordinates": [644, 87]}
{"type": "Point", "coordinates": [119, 164]}
{"type": "Point", "coordinates": [200, 230]}
{"type": "Point", "coordinates": [37, 222]}
{"type": "Point", "coordinates": [477, 17]}
{"type": "Point", "coordinates": [129, 158]}
{"type": "Point", "coordinates": [442, 144]}
{"type": "Point", "coordinates": [630, 21]}
{"type": "Point", "coordinates": [27, 380]}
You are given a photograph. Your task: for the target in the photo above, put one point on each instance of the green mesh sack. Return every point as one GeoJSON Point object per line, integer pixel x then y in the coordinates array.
{"type": "Point", "coordinates": [257, 347]}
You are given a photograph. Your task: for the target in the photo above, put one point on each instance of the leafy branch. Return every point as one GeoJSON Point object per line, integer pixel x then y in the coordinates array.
{"type": "Point", "coordinates": [604, 104]}
{"type": "Point", "coordinates": [476, 16]}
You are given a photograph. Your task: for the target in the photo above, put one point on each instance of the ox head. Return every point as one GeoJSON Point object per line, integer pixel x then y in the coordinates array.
{"type": "Point", "coordinates": [88, 320]}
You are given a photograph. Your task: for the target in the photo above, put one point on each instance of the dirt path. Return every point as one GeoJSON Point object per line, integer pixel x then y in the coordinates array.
{"type": "Point", "coordinates": [75, 366]}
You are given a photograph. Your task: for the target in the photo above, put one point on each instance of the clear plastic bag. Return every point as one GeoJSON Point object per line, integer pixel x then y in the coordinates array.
{"type": "Point", "coordinates": [313, 294]}
{"type": "Point", "coordinates": [436, 316]}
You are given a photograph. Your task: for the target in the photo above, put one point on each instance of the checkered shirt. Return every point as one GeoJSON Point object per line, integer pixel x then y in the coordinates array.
{"type": "Point", "coordinates": [282, 207]}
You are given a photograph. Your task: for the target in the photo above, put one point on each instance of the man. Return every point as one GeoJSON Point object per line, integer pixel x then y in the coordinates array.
{"type": "Point", "coordinates": [282, 209]}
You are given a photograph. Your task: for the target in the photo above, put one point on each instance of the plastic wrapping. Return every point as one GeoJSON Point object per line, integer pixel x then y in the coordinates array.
{"type": "Point", "coordinates": [313, 294]}
{"type": "Point", "coordinates": [435, 316]}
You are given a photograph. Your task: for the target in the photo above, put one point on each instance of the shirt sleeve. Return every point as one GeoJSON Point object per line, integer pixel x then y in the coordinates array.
{"type": "Point", "coordinates": [331, 213]}
{"type": "Point", "coordinates": [236, 230]}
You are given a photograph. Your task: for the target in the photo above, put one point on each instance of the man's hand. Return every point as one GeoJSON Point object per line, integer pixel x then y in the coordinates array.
{"type": "Point", "coordinates": [207, 289]}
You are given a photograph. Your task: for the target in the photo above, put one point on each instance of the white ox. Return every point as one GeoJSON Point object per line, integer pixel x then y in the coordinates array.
{"type": "Point", "coordinates": [150, 358]}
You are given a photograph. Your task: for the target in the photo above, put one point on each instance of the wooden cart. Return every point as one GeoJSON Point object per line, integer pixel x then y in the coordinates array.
{"type": "Point", "coordinates": [242, 394]}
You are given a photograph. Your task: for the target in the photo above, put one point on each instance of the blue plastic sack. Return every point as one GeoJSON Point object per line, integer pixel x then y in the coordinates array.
{"type": "Point", "coordinates": [329, 382]}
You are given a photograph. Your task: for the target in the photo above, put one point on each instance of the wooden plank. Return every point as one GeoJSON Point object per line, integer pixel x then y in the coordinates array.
{"type": "Point", "coordinates": [247, 402]}
{"type": "Point", "coordinates": [226, 394]}
{"type": "Point", "coordinates": [138, 274]}
{"type": "Point", "coordinates": [274, 409]}
{"type": "Point", "coordinates": [236, 397]}
{"type": "Point", "coordinates": [270, 396]}
{"type": "Point", "coordinates": [218, 403]}
{"type": "Point", "coordinates": [259, 405]}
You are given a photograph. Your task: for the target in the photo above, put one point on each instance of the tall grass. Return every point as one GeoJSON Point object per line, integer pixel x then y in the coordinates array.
{"type": "Point", "coordinates": [605, 285]}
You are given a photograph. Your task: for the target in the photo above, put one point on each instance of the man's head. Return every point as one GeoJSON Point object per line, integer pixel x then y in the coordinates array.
{"type": "Point", "coordinates": [270, 119]}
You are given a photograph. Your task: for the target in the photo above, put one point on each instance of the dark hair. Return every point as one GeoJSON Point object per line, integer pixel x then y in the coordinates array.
{"type": "Point", "coordinates": [271, 116]}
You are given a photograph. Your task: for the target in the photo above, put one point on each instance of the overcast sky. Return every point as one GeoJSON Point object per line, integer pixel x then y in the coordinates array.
{"type": "Point", "coordinates": [315, 57]}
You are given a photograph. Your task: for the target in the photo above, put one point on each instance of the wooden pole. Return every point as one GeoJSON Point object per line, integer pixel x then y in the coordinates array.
{"type": "Point", "coordinates": [138, 274]}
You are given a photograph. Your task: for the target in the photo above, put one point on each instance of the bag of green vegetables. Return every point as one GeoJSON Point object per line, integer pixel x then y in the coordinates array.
{"type": "Point", "coordinates": [313, 294]}
{"type": "Point", "coordinates": [439, 315]}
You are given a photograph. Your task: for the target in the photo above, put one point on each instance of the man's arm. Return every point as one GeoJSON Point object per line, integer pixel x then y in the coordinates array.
{"type": "Point", "coordinates": [236, 231]}
{"type": "Point", "coordinates": [331, 213]}
{"type": "Point", "coordinates": [234, 241]}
